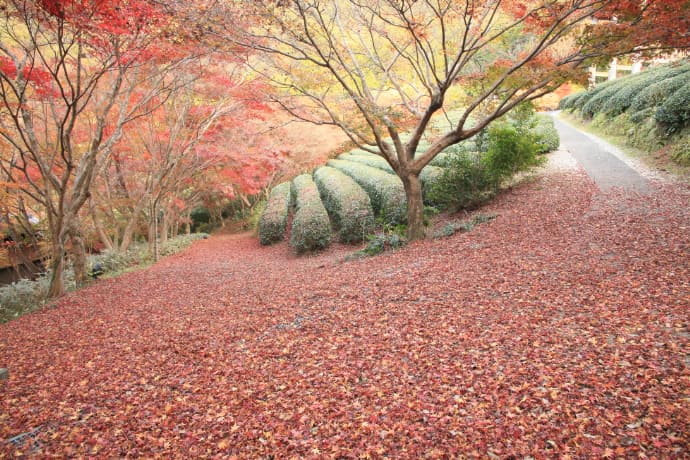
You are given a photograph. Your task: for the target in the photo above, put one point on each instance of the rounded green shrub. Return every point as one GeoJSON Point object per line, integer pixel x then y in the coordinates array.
{"type": "Point", "coordinates": [508, 152]}
{"type": "Point", "coordinates": [596, 103]}
{"type": "Point", "coordinates": [275, 215]}
{"type": "Point", "coordinates": [385, 190]}
{"type": "Point", "coordinates": [580, 102]}
{"type": "Point", "coordinates": [346, 202]}
{"type": "Point", "coordinates": [640, 116]}
{"type": "Point", "coordinates": [464, 184]}
{"type": "Point", "coordinates": [311, 229]}
{"type": "Point", "coordinates": [674, 113]}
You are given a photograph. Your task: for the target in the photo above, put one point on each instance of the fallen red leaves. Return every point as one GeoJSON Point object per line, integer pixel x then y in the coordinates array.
{"type": "Point", "coordinates": [560, 329]}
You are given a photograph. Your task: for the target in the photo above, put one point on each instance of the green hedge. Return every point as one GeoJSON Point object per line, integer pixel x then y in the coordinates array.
{"type": "Point", "coordinates": [656, 93]}
{"type": "Point", "coordinates": [674, 113]}
{"type": "Point", "coordinates": [311, 228]}
{"type": "Point", "coordinates": [346, 202]}
{"type": "Point", "coordinates": [545, 134]}
{"type": "Point", "coordinates": [385, 190]}
{"type": "Point", "coordinates": [570, 100]}
{"type": "Point", "coordinates": [620, 102]}
{"type": "Point", "coordinates": [580, 102]}
{"type": "Point", "coordinates": [274, 218]}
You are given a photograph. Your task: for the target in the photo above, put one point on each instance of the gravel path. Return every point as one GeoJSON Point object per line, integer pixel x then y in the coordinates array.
{"type": "Point", "coordinates": [603, 163]}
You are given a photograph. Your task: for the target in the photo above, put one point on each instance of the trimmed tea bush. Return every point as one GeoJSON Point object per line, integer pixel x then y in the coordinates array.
{"type": "Point", "coordinates": [385, 190]}
{"type": "Point", "coordinates": [274, 218]}
{"type": "Point", "coordinates": [346, 202]}
{"type": "Point", "coordinates": [586, 96]}
{"type": "Point", "coordinates": [674, 113]}
{"type": "Point", "coordinates": [429, 174]}
{"type": "Point", "coordinates": [311, 229]}
{"type": "Point", "coordinates": [620, 102]}
{"type": "Point", "coordinates": [369, 159]}
{"type": "Point", "coordinates": [655, 94]}
{"type": "Point", "coordinates": [596, 103]}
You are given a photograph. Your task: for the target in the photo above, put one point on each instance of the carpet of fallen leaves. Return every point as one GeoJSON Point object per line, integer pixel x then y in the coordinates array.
{"type": "Point", "coordinates": [558, 330]}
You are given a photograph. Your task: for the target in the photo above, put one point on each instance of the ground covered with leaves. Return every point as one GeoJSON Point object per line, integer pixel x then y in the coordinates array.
{"type": "Point", "coordinates": [558, 330]}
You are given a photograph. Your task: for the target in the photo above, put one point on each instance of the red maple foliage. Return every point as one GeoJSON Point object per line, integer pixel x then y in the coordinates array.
{"type": "Point", "coordinates": [558, 330]}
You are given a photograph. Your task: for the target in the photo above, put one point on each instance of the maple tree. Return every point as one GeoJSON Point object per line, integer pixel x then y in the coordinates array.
{"type": "Point", "coordinates": [68, 71]}
{"type": "Point", "coordinates": [199, 147]}
{"type": "Point", "coordinates": [377, 69]}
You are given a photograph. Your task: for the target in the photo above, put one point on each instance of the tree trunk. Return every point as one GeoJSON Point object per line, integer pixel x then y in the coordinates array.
{"type": "Point", "coordinates": [102, 235]}
{"type": "Point", "coordinates": [78, 259]}
{"type": "Point", "coordinates": [57, 265]}
{"type": "Point", "coordinates": [415, 207]}
{"type": "Point", "coordinates": [165, 224]}
{"type": "Point", "coordinates": [128, 232]}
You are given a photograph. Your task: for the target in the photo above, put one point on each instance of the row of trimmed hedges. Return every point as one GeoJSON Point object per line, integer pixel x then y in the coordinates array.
{"type": "Point", "coordinates": [385, 190]}
{"type": "Point", "coordinates": [360, 185]}
{"type": "Point", "coordinates": [275, 216]}
{"type": "Point", "coordinates": [311, 228]}
{"type": "Point", "coordinates": [649, 110]}
{"type": "Point", "coordinates": [346, 202]}
{"type": "Point", "coordinates": [429, 175]}
{"type": "Point", "coordinates": [369, 159]}
{"type": "Point", "coordinates": [660, 93]}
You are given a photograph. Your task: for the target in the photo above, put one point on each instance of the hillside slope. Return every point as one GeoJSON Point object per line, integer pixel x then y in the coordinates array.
{"type": "Point", "coordinates": [558, 329]}
{"type": "Point", "coordinates": [649, 111]}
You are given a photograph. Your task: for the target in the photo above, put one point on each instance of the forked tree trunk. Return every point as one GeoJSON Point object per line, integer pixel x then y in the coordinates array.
{"type": "Point", "coordinates": [415, 206]}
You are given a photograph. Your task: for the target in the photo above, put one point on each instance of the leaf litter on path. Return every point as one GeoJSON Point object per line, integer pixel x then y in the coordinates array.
{"type": "Point", "coordinates": [559, 329]}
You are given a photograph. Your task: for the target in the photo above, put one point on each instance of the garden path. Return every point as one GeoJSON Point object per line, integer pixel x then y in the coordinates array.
{"type": "Point", "coordinates": [604, 163]}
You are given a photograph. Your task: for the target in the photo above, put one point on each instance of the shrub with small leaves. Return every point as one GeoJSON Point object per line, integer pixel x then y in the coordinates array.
{"type": "Point", "coordinates": [25, 296]}
{"type": "Point", "coordinates": [568, 102]}
{"type": "Point", "coordinates": [311, 229]}
{"type": "Point", "coordinates": [508, 152]}
{"type": "Point", "coordinates": [429, 177]}
{"type": "Point", "coordinates": [274, 218]}
{"type": "Point", "coordinates": [385, 190]}
{"type": "Point", "coordinates": [179, 243]}
{"type": "Point", "coordinates": [346, 202]}
{"type": "Point", "coordinates": [465, 184]}
{"type": "Point", "coordinates": [382, 242]}
{"type": "Point", "coordinates": [545, 135]}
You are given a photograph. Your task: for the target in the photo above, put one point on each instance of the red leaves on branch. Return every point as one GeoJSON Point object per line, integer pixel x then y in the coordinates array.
{"type": "Point", "coordinates": [653, 23]}
{"type": "Point", "coordinates": [558, 330]}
